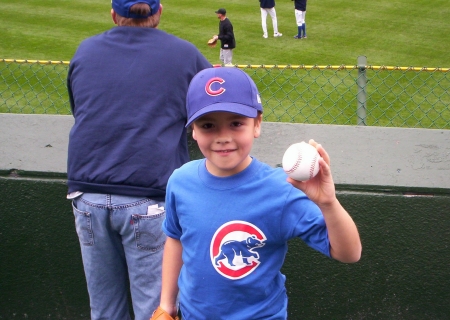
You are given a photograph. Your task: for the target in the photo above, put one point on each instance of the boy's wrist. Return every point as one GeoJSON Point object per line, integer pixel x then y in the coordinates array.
{"type": "Point", "coordinates": [162, 314]}
{"type": "Point", "coordinates": [330, 206]}
{"type": "Point", "coordinates": [170, 309]}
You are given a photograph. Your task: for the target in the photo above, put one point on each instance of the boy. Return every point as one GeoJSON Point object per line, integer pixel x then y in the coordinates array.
{"type": "Point", "coordinates": [229, 216]}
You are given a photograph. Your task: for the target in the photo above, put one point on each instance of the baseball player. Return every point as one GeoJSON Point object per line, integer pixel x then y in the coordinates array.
{"type": "Point", "coordinates": [268, 7]}
{"type": "Point", "coordinates": [226, 37]}
{"type": "Point", "coordinates": [300, 14]}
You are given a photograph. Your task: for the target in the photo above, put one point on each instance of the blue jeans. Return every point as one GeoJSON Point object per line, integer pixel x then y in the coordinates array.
{"type": "Point", "coordinates": [120, 244]}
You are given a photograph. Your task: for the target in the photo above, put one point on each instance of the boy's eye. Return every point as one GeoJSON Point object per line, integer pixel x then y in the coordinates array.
{"type": "Point", "coordinates": [207, 125]}
{"type": "Point", "coordinates": [236, 124]}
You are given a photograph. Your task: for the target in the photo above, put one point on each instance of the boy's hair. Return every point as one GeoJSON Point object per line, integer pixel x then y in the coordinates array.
{"type": "Point", "coordinates": [222, 89]}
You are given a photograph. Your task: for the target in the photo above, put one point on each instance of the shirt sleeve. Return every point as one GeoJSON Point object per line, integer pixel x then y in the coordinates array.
{"type": "Point", "coordinates": [171, 225]}
{"type": "Point", "coordinates": [302, 218]}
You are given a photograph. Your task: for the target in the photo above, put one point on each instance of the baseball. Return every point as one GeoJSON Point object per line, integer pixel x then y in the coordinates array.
{"type": "Point", "coordinates": [301, 161]}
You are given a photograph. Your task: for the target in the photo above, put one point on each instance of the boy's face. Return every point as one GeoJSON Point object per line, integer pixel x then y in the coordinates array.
{"type": "Point", "coordinates": [225, 139]}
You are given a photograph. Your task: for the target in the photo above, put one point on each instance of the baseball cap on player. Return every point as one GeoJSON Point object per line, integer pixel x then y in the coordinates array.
{"type": "Point", "coordinates": [222, 89]}
{"type": "Point", "coordinates": [122, 7]}
{"type": "Point", "coordinates": [221, 11]}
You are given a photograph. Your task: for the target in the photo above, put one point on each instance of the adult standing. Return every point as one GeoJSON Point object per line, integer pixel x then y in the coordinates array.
{"type": "Point", "coordinates": [226, 37]}
{"type": "Point", "coordinates": [127, 90]}
{"type": "Point", "coordinates": [300, 14]}
{"type": "Point", "coordinates": [268, 7]}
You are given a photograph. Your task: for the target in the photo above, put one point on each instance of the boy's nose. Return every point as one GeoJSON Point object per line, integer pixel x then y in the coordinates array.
{"type": "Point", "coordinates": [223, 136]}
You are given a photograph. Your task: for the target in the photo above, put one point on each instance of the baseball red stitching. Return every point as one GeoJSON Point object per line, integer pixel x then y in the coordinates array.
{"type": "Point", "coordinates": [297, 163]}
{"type": "Point", "coordinates": [313, 165]}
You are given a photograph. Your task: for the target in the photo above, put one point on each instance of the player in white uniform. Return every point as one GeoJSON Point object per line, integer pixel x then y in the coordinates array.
{"type": "Point", "coordinates": [300, 14]}
{"type": "Point", "coordinates": [268, 7]}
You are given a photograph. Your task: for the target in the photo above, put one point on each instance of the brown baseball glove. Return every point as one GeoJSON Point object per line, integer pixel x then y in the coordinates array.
{"type": "Point", "coordinates": [160, 314]}
{"type": "Point", "coordinates": [212, 42]}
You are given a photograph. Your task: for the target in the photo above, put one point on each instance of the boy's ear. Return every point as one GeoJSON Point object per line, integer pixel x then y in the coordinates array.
{"type": "Point", "coordinates": [258, 122]}
{"type": "Point", "coordinates": [194, 136]}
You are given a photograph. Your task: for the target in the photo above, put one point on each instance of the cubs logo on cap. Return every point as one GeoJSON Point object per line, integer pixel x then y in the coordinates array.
{"type": "Point", "coordinates": [222, 89]}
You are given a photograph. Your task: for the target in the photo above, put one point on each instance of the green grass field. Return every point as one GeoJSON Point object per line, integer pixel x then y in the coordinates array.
{"type": "Point", "coordinates": [389, 33]}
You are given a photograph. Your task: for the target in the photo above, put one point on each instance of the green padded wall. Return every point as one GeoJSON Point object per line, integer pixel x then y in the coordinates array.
{"type": "Point", "coordinates": [403, 273]}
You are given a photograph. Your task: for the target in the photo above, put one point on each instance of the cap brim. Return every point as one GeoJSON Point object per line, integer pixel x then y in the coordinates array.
{"type": "Point", "coordinates": [237, 108]}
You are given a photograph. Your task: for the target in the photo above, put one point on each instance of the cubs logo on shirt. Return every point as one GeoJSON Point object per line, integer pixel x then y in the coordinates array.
{"type": "Point", "coordinates": [234, 249]}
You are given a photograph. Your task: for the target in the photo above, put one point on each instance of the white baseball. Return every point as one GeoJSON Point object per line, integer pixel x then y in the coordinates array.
{"type": "Point", "coordinates": [301, 161]}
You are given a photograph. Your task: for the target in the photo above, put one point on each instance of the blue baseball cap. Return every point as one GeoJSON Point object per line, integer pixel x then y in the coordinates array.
{"type": "Point", "coordinates": [122, 7]}
{"type": "Point", "coordinates": [222, 89]}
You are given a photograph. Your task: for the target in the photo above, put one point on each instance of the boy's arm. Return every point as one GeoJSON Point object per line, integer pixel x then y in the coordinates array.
{"type": "Point", "coordinates": [171, 267]}
{"type": "Point", "coordinates": [345, 244]}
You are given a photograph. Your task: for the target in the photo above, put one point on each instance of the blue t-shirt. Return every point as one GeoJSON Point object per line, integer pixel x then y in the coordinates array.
{"type": "Point", "coordinates": [234, 233]}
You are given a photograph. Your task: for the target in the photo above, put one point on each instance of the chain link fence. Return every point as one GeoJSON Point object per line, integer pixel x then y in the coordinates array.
{"type": "Point", "coordinates": [345, 95]}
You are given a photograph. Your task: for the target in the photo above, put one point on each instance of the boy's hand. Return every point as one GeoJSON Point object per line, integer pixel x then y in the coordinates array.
{"type": "Point", "coordinates": [161, 314]}
{"type": "Point", "coordinates": [319, 189]}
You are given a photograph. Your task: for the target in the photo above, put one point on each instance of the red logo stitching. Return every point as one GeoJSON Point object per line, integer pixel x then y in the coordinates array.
{"type": "Point", "coordinates": [209, 84]}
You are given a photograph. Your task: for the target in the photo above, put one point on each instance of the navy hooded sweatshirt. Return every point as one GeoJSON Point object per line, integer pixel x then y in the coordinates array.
{"type": "Point", "coordinates": [127, 89]}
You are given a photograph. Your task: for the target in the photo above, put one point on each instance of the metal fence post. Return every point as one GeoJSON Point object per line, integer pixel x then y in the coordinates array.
{"type": "Point", "coordinates": [362, 94]}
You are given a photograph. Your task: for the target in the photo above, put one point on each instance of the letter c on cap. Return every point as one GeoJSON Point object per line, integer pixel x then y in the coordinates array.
{"type": "Point", "coordinates": [212, 92]}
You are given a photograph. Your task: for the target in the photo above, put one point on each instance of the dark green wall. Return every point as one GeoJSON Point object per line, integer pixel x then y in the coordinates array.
{"type": "Point", "coordinates": [403, 273]}
{"type": "Point", "coordinates": [41, 273]}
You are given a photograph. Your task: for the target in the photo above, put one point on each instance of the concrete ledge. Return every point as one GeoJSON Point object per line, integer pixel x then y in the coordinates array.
{"type": "Point", "coordinates": [396, 157]}
{"type": "Point", "coordinates": [34, 142]}
{"type": "Point", "coordinates": [381, 156]}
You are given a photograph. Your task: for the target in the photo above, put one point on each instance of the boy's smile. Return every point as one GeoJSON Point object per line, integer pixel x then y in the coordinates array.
{"type": "Point", "coordinates": [226, 139]}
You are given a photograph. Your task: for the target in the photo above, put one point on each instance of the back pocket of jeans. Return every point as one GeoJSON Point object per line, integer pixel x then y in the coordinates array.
{"type": "Point", "coordinates": [83, 225]}
{"type": "Point", "coordinates": [148, 231]}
